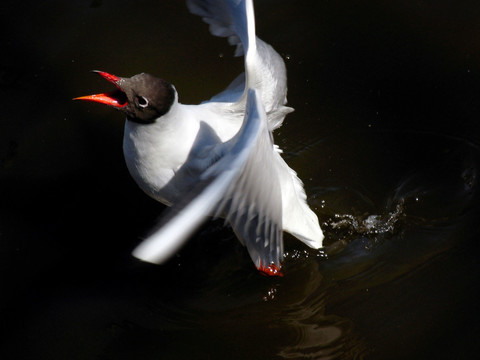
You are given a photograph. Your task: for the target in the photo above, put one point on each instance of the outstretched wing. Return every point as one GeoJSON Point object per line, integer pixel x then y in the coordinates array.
{"type": "Point", "coordinates": [238, 181]}
{"type": "Point", "coordinates": [226, 19]}
{"type": "Point", "coordinates": [264, 67]}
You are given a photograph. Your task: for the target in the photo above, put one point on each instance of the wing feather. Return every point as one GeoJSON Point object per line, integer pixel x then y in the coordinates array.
{"type": "Point", "coordinates": [241, 185]}
{"type": "Point", "coordinates": [264, 67]}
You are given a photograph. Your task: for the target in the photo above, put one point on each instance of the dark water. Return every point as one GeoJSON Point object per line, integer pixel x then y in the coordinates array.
{"type": "Point", "coordinates": [385, 136]}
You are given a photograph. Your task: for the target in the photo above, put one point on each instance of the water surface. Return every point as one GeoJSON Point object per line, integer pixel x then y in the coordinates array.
{"type": "Point", "coordinates": [384, 135]}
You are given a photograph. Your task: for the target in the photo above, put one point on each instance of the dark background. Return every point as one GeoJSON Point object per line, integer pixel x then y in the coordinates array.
{"type": "Point", "coordinates": [386, 97]}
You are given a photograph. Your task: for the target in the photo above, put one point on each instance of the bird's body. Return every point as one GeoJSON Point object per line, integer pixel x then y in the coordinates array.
{"type": "Point", "coordinates": [217, 158]}
{"type": "Point", "coordinates": [154, 153]}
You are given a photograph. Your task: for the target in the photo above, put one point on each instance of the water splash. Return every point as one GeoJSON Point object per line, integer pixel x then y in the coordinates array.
{"type": "Point", "coordinates": [346, 227]}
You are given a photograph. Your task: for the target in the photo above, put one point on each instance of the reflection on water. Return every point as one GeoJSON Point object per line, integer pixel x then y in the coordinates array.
{"type": "Point", "coordinates": [316, 333]}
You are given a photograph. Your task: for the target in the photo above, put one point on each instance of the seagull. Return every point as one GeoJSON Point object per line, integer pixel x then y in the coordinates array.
{"type": "Point", "coordinates": [217, 158]}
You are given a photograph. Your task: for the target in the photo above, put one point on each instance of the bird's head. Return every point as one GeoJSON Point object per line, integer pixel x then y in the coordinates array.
{"type": "Point", "coordinates": [143, 97]}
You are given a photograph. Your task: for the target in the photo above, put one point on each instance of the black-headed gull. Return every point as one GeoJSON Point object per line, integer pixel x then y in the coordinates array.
{"type": "Point", "coordinates": [217, 158]}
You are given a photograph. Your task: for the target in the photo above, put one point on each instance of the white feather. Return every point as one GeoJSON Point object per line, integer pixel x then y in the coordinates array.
{"type": "Point", "coordinates": [218, 158]}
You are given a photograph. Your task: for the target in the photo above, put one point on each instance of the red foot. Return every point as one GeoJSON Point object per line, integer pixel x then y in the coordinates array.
{"type": "Point", "coordinates": [270, 270]}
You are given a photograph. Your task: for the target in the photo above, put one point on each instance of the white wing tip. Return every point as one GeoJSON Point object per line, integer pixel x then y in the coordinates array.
{"type": "Point", "coordinates": [144, 253]}
{"type": "Point", "coordinates": [315, 241]}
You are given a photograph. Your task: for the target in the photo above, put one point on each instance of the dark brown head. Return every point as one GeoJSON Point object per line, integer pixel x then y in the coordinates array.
{"type": "Point", "coordinates": [143, 97]}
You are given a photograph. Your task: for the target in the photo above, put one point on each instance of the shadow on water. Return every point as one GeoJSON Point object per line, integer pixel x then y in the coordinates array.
{"type": "Point", "coordinates": [384, 136]}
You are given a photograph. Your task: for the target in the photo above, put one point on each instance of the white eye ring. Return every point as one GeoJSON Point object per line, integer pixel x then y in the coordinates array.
{"type": "Point", "coordinates": [142, 101]}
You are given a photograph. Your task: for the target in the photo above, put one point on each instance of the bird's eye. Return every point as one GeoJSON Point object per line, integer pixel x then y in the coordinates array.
{"type": "Point", "coordinates": [142, 102]}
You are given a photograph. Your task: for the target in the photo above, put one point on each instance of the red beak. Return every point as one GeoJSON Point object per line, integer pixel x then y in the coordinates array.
{"type": "Point", "coordinates": [116, 98]}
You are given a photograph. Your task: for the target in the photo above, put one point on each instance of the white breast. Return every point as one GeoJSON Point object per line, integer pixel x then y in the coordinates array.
{"type": "Point", "coordinates": [154, 152]}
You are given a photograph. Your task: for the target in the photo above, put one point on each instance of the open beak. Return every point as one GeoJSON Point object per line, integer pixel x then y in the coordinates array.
{"type": "Point", "coordinates": [116, 98]}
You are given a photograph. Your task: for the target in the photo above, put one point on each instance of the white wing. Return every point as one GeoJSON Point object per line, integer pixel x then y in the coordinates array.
{"type": "Point", "coordinates": [265, 69]}
{"type": "Point", "coordinates": [238, 181]}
